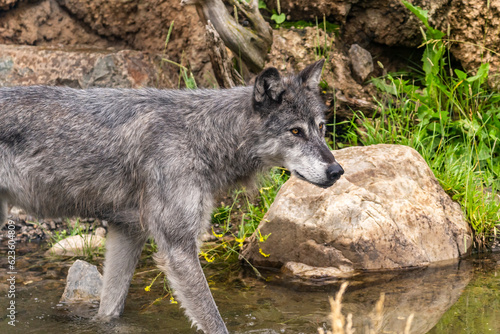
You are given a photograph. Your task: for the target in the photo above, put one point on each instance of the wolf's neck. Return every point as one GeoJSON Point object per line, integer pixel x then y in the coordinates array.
{"type": "Point", "coordinates": [227, 132]}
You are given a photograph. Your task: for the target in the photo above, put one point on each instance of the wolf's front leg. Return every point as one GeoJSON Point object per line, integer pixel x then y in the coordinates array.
{"type": "Point", "coordinates": [182, 267]}
{"type": "Point", "coordinates": [123, 250]}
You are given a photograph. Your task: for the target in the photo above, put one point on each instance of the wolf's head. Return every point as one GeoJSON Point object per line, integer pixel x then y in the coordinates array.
{"type": "Point", "coordinates": [294, 124]}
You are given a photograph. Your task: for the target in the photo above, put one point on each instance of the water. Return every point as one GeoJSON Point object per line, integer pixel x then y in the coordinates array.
{"type": "Point", "coordinates": [461, 297]}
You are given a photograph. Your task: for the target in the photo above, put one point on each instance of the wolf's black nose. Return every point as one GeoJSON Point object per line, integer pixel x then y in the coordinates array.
{"type": "Point", "coordinates": [334, 172]}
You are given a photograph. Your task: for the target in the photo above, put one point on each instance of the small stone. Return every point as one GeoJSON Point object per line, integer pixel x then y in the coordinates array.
{"type": "Point", "coordinates": [206, 237]}
{"type": "Point", "coordinates": [16, 211]}
{"type": "Point", "coordinates": [100, 231]}
{"type": "Point", "coordinates": [73, 222]}
{"type": "Point", "coordinates": [51, 274]}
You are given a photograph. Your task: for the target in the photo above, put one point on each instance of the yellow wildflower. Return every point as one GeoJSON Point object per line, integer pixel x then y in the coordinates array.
{"type": "Point", "coordinates": [240, 241]}
{"type": "Point", "coordinates": [207, 258]}
{"type": "Point", "coordinates": [217, 235]}
{"type": "Point", "coordinates": [262, 253]}
{"type": "Point", "coordinates": [263, 238]}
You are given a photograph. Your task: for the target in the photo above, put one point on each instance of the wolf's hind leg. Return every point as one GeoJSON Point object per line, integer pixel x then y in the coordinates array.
{"type": "Point", "coordinates": [123, 250]}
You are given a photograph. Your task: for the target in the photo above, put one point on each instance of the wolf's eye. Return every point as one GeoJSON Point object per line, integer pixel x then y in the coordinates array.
{"type": "Point", "coordinates": [296, 132]}
{"type": "Point", "coordinates": [321, 126]}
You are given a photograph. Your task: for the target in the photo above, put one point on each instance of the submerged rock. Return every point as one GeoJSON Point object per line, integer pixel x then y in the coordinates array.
{"type": "Point", "coordinates": [83, 284]}
{"type": "Point", "coordinates": [77, 245]}
{"type": "Point", "coordinates": [388, 211]}
{"type": "Point", "coordinates": [303, 270]}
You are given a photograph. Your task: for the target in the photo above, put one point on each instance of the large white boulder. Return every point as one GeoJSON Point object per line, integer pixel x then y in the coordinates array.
{"type": "Point", "coordinates": [387, 211]}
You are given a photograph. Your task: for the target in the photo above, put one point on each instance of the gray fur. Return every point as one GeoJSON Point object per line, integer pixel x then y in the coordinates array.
{"type": "Point", "coordinates": [151, 161]}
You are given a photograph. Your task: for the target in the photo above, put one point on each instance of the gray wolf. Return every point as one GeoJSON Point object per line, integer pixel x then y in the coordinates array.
{"type": "Point", "coordinates": [151, 161]}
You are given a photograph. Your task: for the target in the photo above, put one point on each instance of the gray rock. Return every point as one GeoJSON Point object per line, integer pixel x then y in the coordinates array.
{"type": "Point", "coordinates": [388, 211]}
{"type": "Point", "coordinates": [361, 61]}
{"type": "Point", "coordinates": [83, 284]}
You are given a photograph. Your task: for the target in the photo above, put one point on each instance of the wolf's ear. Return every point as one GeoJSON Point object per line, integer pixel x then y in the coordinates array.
{"type": "Point", "coordinates": [311, 75]}
{"type": "Point", "coordinates": [268, 87]}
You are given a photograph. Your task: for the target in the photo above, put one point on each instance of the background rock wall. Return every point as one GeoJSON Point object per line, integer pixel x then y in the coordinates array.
{"type": "Point", "coordinates": [390, 32]}
{"type": "Point", "coordinates": [383, 27]}
{"type": "Point", "coordinates": [131, 24]}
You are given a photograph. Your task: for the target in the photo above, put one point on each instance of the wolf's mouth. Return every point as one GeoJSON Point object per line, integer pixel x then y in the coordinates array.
{"type": "Point", "coordinates": [321, 185]}
{"type": "Point", "coordinates": [300, 176]}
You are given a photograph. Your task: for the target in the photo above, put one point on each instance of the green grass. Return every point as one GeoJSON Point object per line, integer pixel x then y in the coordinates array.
{"type": "Point", "coordinates": [71, 231]}
{"type": "Point", "coordinates": [327, 26]}
{"type": "Point", "coordinates": [452, 119]}
{"type": "Point", "coordinates": [184, 72]}
{"type": "Point", "coordinates": [249, 211]}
